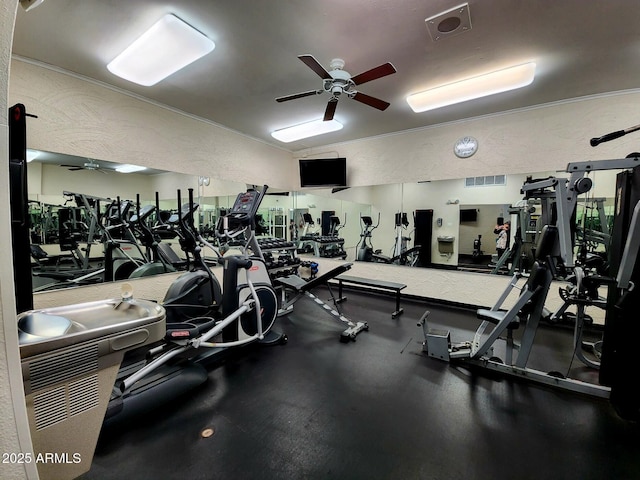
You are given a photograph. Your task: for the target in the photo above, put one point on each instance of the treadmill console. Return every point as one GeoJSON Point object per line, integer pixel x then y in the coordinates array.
{"type": "Point", "coordinates": [242, 213]}
{"type": "Point", "coordinates": [246, 203]}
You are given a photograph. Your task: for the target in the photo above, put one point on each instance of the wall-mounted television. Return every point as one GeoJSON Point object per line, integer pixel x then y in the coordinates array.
{"type": "Point", "coordinates": [468, 215]}
{"type": "Point", "coordinates": [323, 172]}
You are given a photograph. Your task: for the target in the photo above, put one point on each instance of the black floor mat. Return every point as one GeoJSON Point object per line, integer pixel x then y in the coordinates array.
{"type": "Point", "coordinates": [376, 408]}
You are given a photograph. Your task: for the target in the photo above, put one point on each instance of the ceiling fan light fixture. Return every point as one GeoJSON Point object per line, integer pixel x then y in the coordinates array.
{"type": "Point", "coordinates": [168, 46]}
{"type": "Point", "coordinates": [471, 88]}
{"type": "Point", "coordinates": [128, 168]}
{"type": "Point", "coordinates": [306, 130]}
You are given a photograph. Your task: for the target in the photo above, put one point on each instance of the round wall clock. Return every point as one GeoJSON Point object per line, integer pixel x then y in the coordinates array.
{"type": "Point", "coordinates": [465, 147]}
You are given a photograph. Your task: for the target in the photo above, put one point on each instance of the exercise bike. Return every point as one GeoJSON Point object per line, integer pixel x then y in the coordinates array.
{"type": "Point", "coordinates": [203, 320]}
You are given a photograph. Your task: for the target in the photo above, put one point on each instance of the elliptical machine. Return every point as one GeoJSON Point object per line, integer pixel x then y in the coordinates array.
{"type": "Point", "coordinates": [401, 241]}
{"type": "Point", "coordinates": [197, 292]}
{"type": "Point", "coordinates": [156, 264]}
{"type": "Point", "coordinates": [366, 253]}
{"type": "Point", "coordinates": [364, 249]}
{"type": "Point", "coordinates": [203, 320]}
{"type": "Point", "coordinates": [477, 247]}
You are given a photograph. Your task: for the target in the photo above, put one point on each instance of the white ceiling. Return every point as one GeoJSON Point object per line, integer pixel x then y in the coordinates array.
{"type": "Point", "coordinates": [581, 47]}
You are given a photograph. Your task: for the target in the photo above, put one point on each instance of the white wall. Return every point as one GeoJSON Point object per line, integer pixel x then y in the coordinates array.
{"type": "Point", "coordinates": [519, 143]}
{"type": "Point", "coordinates": [14, 429]}
{"type": "Point", "coordinates": [544, 138]}
{"type": "Point", "coordinates": [83, 118]}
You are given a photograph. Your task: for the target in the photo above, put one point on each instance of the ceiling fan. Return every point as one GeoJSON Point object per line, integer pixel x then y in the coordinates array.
{"type": "Point", "coordinates": [89, 165]}
{"type": "Point", "coordinates": [338, 82]}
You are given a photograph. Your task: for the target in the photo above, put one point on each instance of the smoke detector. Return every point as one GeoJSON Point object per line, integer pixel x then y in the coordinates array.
{"type": "Point", "coordinates": [452, 22]}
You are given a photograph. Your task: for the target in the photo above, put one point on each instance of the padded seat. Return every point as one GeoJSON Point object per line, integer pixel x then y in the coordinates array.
{"type": "Point", "coordinates": [528, 306]}
{"type": "Point", "coordinates": [496, 316]}
{"type": "Point", "coordinates": [293, 282]}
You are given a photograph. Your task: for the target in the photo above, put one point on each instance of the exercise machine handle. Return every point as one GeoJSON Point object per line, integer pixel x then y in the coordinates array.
{"type": "Point", "coordinates": [245, 263]}
{"type": "Point", "coordinates": [612, 136]}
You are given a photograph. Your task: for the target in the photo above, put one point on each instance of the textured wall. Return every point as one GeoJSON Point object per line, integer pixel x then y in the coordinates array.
{"type": "Point", "coordinates": [525, 141]}
{"type": "Point", "coordinates": [82, 118]}
{"type": "Point", "coordinates": [14, 429]}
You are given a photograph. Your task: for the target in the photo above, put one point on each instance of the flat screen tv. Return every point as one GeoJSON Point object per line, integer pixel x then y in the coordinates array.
{"type": "Point", "coordinates": [468, 215]}
{"type": "Point", "coordinates": [323, 172]}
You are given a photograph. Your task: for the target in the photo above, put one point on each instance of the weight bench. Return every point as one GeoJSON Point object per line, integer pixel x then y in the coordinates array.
{"type": "Point", "coordinates": [377, 284]}
{"type": "Point", "coordinates": [301, 288]}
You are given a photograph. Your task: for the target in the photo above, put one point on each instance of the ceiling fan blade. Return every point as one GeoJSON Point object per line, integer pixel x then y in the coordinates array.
{"type": "Point", "coordinates": [298, 95]}
{"type": "Point", "coordinates": [330, 110]}
{"type": "Point", "coordinates": [371, 101]}
{"type": "Point", "coordinates": [314, 65]}
{"type": "Point", "coordinates": [73, 168]}
{"type": "Point", "coordinates": [377, 72]}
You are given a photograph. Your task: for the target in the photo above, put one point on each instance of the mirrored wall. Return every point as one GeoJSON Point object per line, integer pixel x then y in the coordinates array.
{"type": "Point", "coordinates": [450, 222]}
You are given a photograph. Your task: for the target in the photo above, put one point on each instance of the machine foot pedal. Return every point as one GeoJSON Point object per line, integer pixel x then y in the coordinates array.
{"type": "Point", "coordinates": [350, 333]}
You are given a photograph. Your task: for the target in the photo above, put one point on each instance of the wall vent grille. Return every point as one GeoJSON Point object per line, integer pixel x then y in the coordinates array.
{"type": "Point", "coordinates": [61, 368]}
{"type": "Point", "coordinates": [60, 403]}
{"type": "Point", "coordinates": [486, 181]}
{"type": "Point", "coordinates": [50, 407]}
{"type": "Point", "coordinates": [83, 395]}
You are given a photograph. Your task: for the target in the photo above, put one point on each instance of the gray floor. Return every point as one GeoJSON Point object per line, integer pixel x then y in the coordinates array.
{"type": "Point", "coordinates": [377, 408]}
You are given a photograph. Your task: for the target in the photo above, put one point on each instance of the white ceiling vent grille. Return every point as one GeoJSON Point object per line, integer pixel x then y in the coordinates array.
{"type": "Point", "coordinates": [454, 21]}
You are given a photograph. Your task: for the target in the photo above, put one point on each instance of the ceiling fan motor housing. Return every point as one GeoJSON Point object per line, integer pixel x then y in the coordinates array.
{"type": "Point", "coordinates": [338, 82]}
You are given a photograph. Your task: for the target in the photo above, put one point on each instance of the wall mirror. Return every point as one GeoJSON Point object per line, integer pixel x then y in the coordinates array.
{"type": "Point", "coordinates": [72, 214]}
{"type": "Point", "coordinates": [460, 212]}
{"type": "Point", "coordinates": [463, 214]}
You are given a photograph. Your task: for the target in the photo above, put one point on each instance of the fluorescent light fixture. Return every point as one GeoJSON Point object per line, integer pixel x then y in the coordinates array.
{"type": "Point", "coordinates": [32, 154]}
{"type": "Point", "coordinates": [169, 45]}
{"type": "Point", "coordinates": [129, 168]}
{"type": "Point", "coordinates": [471, 88]}
{"type": "Point", "coordinates": [305, 130]}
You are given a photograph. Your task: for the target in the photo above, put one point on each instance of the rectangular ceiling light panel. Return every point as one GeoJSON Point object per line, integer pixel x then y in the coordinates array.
{"type": "Point", "coordinates": [168, 46]}
{"type": "Point", "coordinates": [128, 168]}
{"type": "Point", "coordinates": [471, 88]}
{"type": "Point", "coordinates": [306, 130]}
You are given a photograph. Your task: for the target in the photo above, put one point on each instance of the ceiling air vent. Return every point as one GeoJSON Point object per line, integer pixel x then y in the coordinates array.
{"type": "Point", "coordinates": [447, 24]}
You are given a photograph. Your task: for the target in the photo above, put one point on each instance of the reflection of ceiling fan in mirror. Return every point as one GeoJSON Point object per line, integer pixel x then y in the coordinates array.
{"type": "Point", "coordinates": [338, 82]}
{"type": "Point", "coordinates": [88, 165]}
